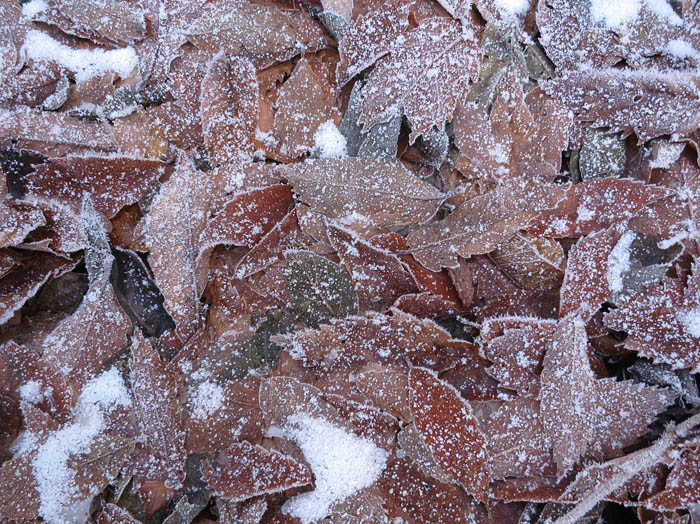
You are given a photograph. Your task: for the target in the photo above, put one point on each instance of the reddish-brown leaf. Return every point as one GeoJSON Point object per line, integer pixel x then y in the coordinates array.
{"type": "Point", "coordinates": [426, 73]}
{"type": "Point", "coordinates": [584, 416]}
{"type": "Point", "coordinates": [664, 323]}
{"type": "Point", "coordinates": [370, 36]}
{"type": "Point", "coordinates": [597, 204]}
{"type": "Point", "coordinates": [448, 428]}
{"type": "Point", "coordinates": [161, 449]}
{"type": "Point", "coordinates": [480, 224]}
{"type": "Point", "coordinates": [246, 470]}
{"type": "Point", "coordinates": [112, 182]}
{"type": "Point", "coordinates": [382, 191]}
{"type": "Point", "coordinates": [248, 217]}
{"type": "Point", "coordinates": [229, 107]}
{"type": "Point", "coordinates": [378, 275]}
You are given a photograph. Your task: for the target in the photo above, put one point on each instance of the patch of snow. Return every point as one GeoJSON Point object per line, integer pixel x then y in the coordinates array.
{"type": "Point", "coordinates": [208, 398]}
{"type": "Point", "coordinates": [615, 13]}
{"type": "Point", "coordinates": [33, 7]}
{"type": "Point", "coordinates": [329, 142]}
{"type": "Point", "coordinates": [681, 49]}
{"type": "Point", "coordinates": [31, 392]}
{"type": "Point", "coordinates": [85, 63]}
{"type": "Point", "coordinates": [512, 7]}
{"type": "Point", "coordinates": [342, 464]}
{"type": "Point", "coordinates": [55, 479]}
{"type": "Point", "coordinates": [691, 321]}
{"type": "Point", "coordinates": [619, 262]}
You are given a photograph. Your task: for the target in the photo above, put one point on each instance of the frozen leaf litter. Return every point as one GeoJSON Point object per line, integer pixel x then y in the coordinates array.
{"type": "Point", "coordinates": [365, 261]}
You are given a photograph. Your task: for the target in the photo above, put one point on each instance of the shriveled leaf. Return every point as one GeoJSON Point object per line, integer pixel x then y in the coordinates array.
{"type": "Point", "coordinates": [229, 107]}
{"type": "Point", "coordinates": [585, 416]}
{"type": "Point", "coordinates": [384, 192]}
{"type": "Point", "coordinates": [245, 470]}
{"type": "Point", "coordinates": [442, 56]}
{"type": "Point", "coordinates": [320, 288]}
{"type": "Point", "coordinates": [448, 428]}
{"type": "Point", "coordinates": [480, 224]}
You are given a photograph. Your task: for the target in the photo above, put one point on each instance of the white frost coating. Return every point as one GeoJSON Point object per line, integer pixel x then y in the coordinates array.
{"type": "Point", "coordinates": [55, 480]}
{"type": "Point", "coordinates": [619, 262]}
{"type": "Point", "coordinates": [342, 464]}
{"type": "Point", "coordinates": [617, 13]}
{"type": "Point", "coordinates": [329, 142]}
{"type": "Point", "coordinates": [31, 392]}
{"type": "Point", "coordinates": [85, 63]}
{"type": "Point", "coordinates": [208, 398]}
{"type": "Point", "coordinates": [33, 7]}
{"type": "Point", "coordinates": [614, 13]}
{"type": "Point", "coordinates": [512, 7]}
{"type": "Point", "coordinates": [681, 49]}
{"type": "Point", "coordinates": [691, 321]}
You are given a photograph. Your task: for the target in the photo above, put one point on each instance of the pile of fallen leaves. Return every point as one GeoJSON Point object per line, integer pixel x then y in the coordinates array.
{"type": "Point", "coordinates": [411, 261]}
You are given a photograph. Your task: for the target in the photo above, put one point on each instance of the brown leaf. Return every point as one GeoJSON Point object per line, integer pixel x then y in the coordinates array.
{"type": "Point", "coordinates": [587, 279]}
{"type": "Point", "coordinates": [54, 134]}
{"type": "Point", "coordinates": [378, 275]}
{"type": "Point", "coordinates": [370, 37]}
{"type": "Point", "coordinates": [113, 514]}
{"type": "Point", "coordinates": [263, 34]}
{"type": "Point", "coordinates": [517, 443]}
{"type": "Point", "coordinates": [627, 101]}
{"type": "Point", "coordinates": [480, 224]}
{"type": "Point", "coordinates": [448, 428]}
{"type": "Point", "coordinates": [245, 470]}
{"type": "Point", "coordinates": [306, 100]}
{"type": "Point", "coordinates": [384, 192]}
{"type": "Point", "coordinates": [248, 217]}
{"type": "Point", "coordinates": [517, 356]}
{"type": "Point", "coordinates": [411, 443]}
{"type": "Point", "coordinates": [173, 228]}
{"type": "Point", "coordinates": [113, 21]}
{"type": "Point", "coordinates": [681, 488]}
{"type": "Point", "coordinates": [25, 280]}
{"type": "Point", "coordinates": [584, 416]}
{"type": "Point", "coordinates": [161, 450]}
{"type": "Point", "coordinates": [387, 389]}
{"type": "Point", "coordinates": [229, 107]}
{"type": "Point", "coordinates": [662, 324]}
{"type": "Point", "coordinates": [83, 343]}
{"type": "Point", "coordinates": [523, 134]}
{"type": "Point", "coordinates": [597, 204]}
{"type": "Point", "coordinates": [415, 497]}
{"type": "Point", "coordinates": [19, 498]}
{"type": "Point", "coordinates": [112, 182]}
{"type": "Point", "coordinates": [531, 262]}
{"type": "Point", "coordinates": [442, 56]}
